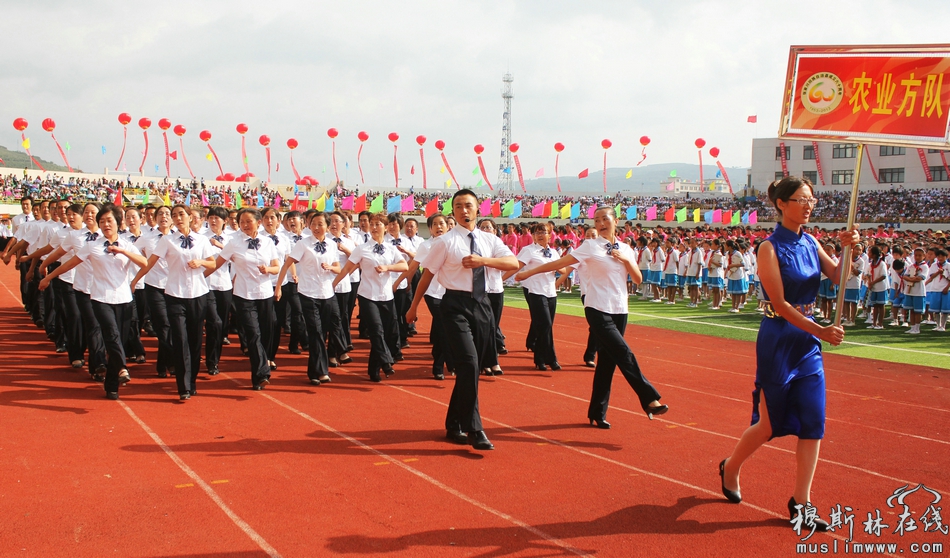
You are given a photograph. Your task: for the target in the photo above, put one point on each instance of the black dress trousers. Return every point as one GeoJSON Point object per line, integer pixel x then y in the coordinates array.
{"type": "Point", "coordinates": [468, 328]}
{"type": "Point", "coordinates": [186, 319]}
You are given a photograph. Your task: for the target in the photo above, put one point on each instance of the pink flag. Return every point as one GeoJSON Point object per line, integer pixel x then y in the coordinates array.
{"type": "Point", "coordinates": [277, 201]}
{"type": "Point", "coordinates": [540, 173]}
{"type": "Point", "coordinates": [485, 209]}
{"type": "Point", "coordinates": [651, 213]}
{"type": "Point", "coordinates": [347, 203]}
{"type": "Point", "coordinates": [671, 186]}
{"type": "Point", "coordinates": [409, 204]}
{"type": "Point", "coordinates": [204, 200]}
{"type": "Point", "coordinates": [717, 216]}
{"type": "Point", "coordinates": [380, 165]}
{"type": "Point", "coordinates": [538, 210]}
{"type": "Point", "coordinates": [591, 210]}
{"type": "Point", "coordinates": [754, 217]}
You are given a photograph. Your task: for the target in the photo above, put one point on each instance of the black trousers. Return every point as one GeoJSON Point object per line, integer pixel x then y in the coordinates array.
{"type": "Point", "coordinates": [354, 294]}
{"type": "Point", "coordinates": [92, 331]}
{"type": "Point", "coordinates": [542, 311]}
{"type": "Point", "coordinates": [343, 304]}
{"type": "Point", "coordinates": [50, 316]}
{"type": "Point", "coordinates": [155, 298]}
{"type": "Point", "coordinates": [72, 319]}
{"type": "Point", "coordinates": [34, 299]}
{"type": "Point", "coordinates": [288, 308]}
{"type": "Point", "coordinates": [379, 319]}
{"type": "Point", "coordinates": [590, 352]}
{"type": "Point", "coordinates": [216, 326]}
{"type": "Point", "coordinates": [316, 315]}
{"type": "Point", "coordinates": [437, 335]}
{"type": "Point", "coordinates": [497, 303]}
{"type": "Point", "coordinates": [402, 298]}
{"type": "Point", "coordinates": [185, 318]}
{"type": "Point", "coordinates": [58, 332]}
{"type": "Point", "coordinates": [24, 285]}
{"type": "Point", "coordinates": [468, 331]}
{"type": "Point", "coordinates": [613, 351]}
{"type": "Point", "coordinates": [134, 347]}
{"type": "Point", "coordinates": [114, 321]}
{"type": "Point", "coordinates": [258, 320]}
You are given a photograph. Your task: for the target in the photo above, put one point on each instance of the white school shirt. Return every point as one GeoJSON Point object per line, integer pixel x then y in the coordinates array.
{"type": "Point", "coordinates": [715, 265]}
{"type": "Point", "coordinates": [73, 243]}
{"type": "Point", "coordinates": [606, 290]}
{"type": "Point", "coordinates": [134, 269]}
{"type": "Point", "coordinates": [345, 285]}
{"type": "Point", "coordinates": [184, 282]}
{"type": "Point", "coordinates": [854, 278]}
{"type": "Point", "coordinates": [693, 266]}
{"type": "Point", "coordinates": [736, 273]}
{"type": "Point", "coordinates": [644, 258]}
{"type": "Point", "coordinates": [444, 259]}
{"type": "Point", "coordinates": [356, 238]}
{"type": "Point", "coordinates": [405, 243]}
{"type": "Point", "coordinates": [375, 286]}
{"type": "Point", "coordinates": [249, 282]}
{"type": "Point", "coordinates": [671, 260]}
{"type": "Point", "coordinates": [941, 281]}
{"type": "Point", "coordinates": [657, 258]}
{"type": "Point", "coordinates": [220, 280]}
{"type": "Point", "coordinates": [682, 265]}
{"type": "Point", "coordinates": [58, 241]}
{"type": "Point", "coordinates": [897, 280]}
{"type": "Point", "coordinates": [284, 244]}
{"type": "Point", "coordinates": [19, 220]}
{"type": "Point", "coordinates": [158, 275]}
{"type": "Point", "coordinates": [875, 271]}
{"type": "Point", "coordinates": [916, 270]}
{"type": "Point", "coordinates": [543, 283]}
{"type": "Point", "coordinates": [312, 280]}
{"type": "Point", "coordinates": [111, 271]}
{"type": "Point", "coordinates": [436, 290]}
{"type": "Point", "coordinates": [31, 234]}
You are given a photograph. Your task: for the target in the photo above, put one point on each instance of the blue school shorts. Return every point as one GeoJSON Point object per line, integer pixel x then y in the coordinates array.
{"type": "Point", "coordinates": [653, 277]}
{"type": "Point", "coordinates": [852, 295]}
{"type": "Point", "coordinates": [916, 303]}
{"type": "Point", "coordinates": [897, 298]}
{"type": "Point", "coordinates": [938, 302]}
{"type": "Point", "coordinates": [705, 277]}
{"type": "Point", "coordinates": [878, 298]}
{"type": "Point", "coordinates": [692, 281]}
{"type": "Point", "coordinates": [716, 283]}
{"type": "Point", "coordinates": [738, 286]}
{"type": "Point", "coordinates": [668, 280]}
{"type": "Point", "coordinates": [681, 280]}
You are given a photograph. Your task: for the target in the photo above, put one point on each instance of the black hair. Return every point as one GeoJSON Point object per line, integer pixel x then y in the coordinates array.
{"type": "Point", "coordinates": [218, 211]}
{"type": "Point", "coordinates": [433, 217]}
{"type": "Point", "coordinates": [252, 211]}
{"type": "Point", "coordinates": [463, 192]}
{"type": "Point", "coordinates": [395, 218]}
{"type": "Point", "coordinates": [113, 210]}
{"type": "Point", "coordinates": [785, 188]}
{"type": "Point", "coordinates": [315, 214]}
{"type": "Point", "coordinates": [269, 210]}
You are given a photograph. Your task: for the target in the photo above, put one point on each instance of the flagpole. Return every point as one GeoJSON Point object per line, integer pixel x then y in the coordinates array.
{"type": "Point", "coordinates": [846, 253]}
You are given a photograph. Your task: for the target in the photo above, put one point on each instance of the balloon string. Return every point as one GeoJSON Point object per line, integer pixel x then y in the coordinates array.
{"type": "Point", "coordinates": [358, 165]}
{"type": "Point", "coordinates": [334, 163]}
{"type": "Point", "coordinates": [267, 153]}
{"type": "Point", "coordinates": [701, 169]}
{"type": "Point", "coordinates": [168, 171]}
{"type": "Point", "coordinates": [644, 153]}
{"type": "Point", "coordinates": [520, 176]}
{"type": "Point", "coordinates": [605, 171]}
{"type": "Point", "coordinates": [292, 167]}
{"type": "Point", "coordinates": [557, 158]}
{"type": "Point", "coordinates": [215, 155]}
{"type": "Point", "coordinates": [395, 165]}
{"type": "Point", "coordinates": [145, 154]}
{"type": "Point", "coordinates": [181, 144]}
{"type": "Point", "coordinates": [61, 152]}
{"type": "Point", "coordinates": [725, 176]}
{"type": "Point", "coordinates": [422, 159]}
{"type": "Point", "coordinates": [125, 133]}
{"type": "Point", "coordinates": [481, 166]}
{"type": "Point", "coordinates": [244, 154]}
{"type": "Point", "coordinates": [446, 163]}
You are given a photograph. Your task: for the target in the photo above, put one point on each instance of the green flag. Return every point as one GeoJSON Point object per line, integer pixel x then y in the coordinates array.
{"type": "Point", "coordinates": [617, 211]}
{"type": "Point", "coordinates": [237, 200]}
{"type": "Point", "coordinates": [67, 146]}
{"type": "Point", "coordinates": [148, 191]}
{"type": "Point", "coordinates": [673, 173]}
{"type": "Point", "coordinates": [736, 217]}
{"type": "Point", "coordinates": [508, 208]}
{"type": "Point", "coordinates": [480, 183]}
{"type": "Point", "coordinates": [554, 211]}
{"type": "Point", "coordinates": [447, 207]}
{"type": "Point", "coordinates": [377, 205]}
{"type": "Point", "coordinates": [681, 215]}
{"type": "Point", "coordinates": [475, 170]}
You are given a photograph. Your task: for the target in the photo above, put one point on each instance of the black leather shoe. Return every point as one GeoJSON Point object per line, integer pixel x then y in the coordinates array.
{"type": "Point", "coordinates": [658, 410]}
{"type": "Point", "coordinates": [375, 378]}
{"type": "Point", "coordinates": [540, 367]}
{"type": "Point", "coordinates": [346, 360]}
{"type": "Point", "coordinates": [163, 374]}
{"type": "Point", "coordinates": [295, 351]}
{"type": "Point", "coordinates": [333, 363]}
{"type": "Point", "coordinates": [61, 349]}
{"type": "Point", "coordinates": [456, 437]}
{"type": "Point", "coordinates": [498, 372]}
{"type": "Point", "coordinates": [389, 371]}
{"type": "Point", "coordinates": [213, 371]}
{"type": "Point", "coordinates": [732, 495]}
{"type": "Point", "coordinates": [590, 364]}
{"type": "Point", "coordinates": [257, 387]}
{"type": "Point", "coordinates": [113, 395]}
{"type": "Point", "coordinates": [140, 359]}
{"type": "Point", "coordinates": [273, 365]}
{"type": "Point", "coordinates": [600, 424]}
{"type": "Point", "coordinates": [479, 440]}
{"type": "Point", "coordinates": [820, 525]}
{"type": "Point", "coordinates": [503, 351]}
{"type": "Point", "coordinates": [438, 375]}
{"type": "Point", "coordinates": [184, 396]}
{"type": "Point", "coordinates": [325, 379]}
{"type": "Point", "coordinates": [555, 366]}
{"type": "Point", "coordinates": [315, 382]}
{"type": "Point", "coordinates": [193, 392]}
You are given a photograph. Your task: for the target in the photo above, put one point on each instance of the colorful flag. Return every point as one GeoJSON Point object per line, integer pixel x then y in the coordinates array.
{"type": "Point", "coordinates": [359, 205]}
{"type": "Point", "coordinates": [591, 209]}
{"type": "Point", "coordinates": [540, 173]}
{"type": "Point", "coordinates": [394, 204]}
{"type": "Point", "coordinates": [348, 203]}
{"type": "Point", "coordinates": [277, 201]}
{"type": "Point", "coordinates": [696, 215]}
{"type": "Point", "coordinates": [103, 150]}
{"type": "Point", "coordinates": [443, 170]}
{"type": "Point", "coordinates": [377, 205]}
{"type": "Point", "coordinates": [412, 169]}
{"type": "Point", "coordinates": [631, 213]}
{"type": "Point", "coordinates": [380, 167]}
{"type": "Point", "coordinates": [717, 216]}
{"type": "Point", "coordinates": [507, 209]}
{"type": "Point", "coordinates": [26, 143]}
{"type": "Point", "coordinates": [321, 203]}
{"type": "Point", "coordinates": [148, 194]}
{"type": "Point", "coordinates": [752, 119]}
{"type": "Point", "coordinates": [496, 209]}
{"type": "Point", "coordinates": [516, 210]}
{"type": "Point", "coordinates": [576, 211]}
{"type": "Point", "coordinates": [448, 183]}
{"type": "Point", "coordinates": [671, 187]}
{"type": "Point", "coordinates": [118, 198]}
{"type": "Point", "coordinates": [651, 213]}
{"type": "Point", "coordinates": [566, 211]}
{"type": "Point", "coordinates": [432, 207]}
{"type": "Point", "coordinates": [582, 174]}
{"type": "Point", "coordinates": [209, 157]}
{"type": "Point", "coordinates": [629, 173]}
{"type": "Point", "coordinates": [538, 210]}
{"type": "Point", "coordinates": [238, 202]}
{"type": "Point", "coordinates": [550, 210]}
{"type": "Point", "coordinates": [736, 217]}
{"type": "Point", "coordinates": [681, 215]}
{"type": "Point", "coordinates": [166, 200]}
{"type": "Point", "coordinates": [754, 217]}
{"type": "Point", "coordinates": [260, 200]}
{"type": "Point", "coordinates": [67, 146]}
{"type": "Point", "coordinates": [331, 204]}
{"type": "Point", "coordinates": [480, 183]}
{"type": "Point", "coordinates": [618, 210]}
{"type": "Point", "coordinates": [485, 208]}
{"type": "Point", "coordinates": [725, 217]}
{"type": "Point", "coordinates": [447, 207]}
{"type": "Point", "coordinates": [475, 171]}
{"type": "Point", "coordinates": [745, 218]}
{"type": "Point", "coordinates": [409, 204]}
{"type": "Point", "coordinates": [708, 217]}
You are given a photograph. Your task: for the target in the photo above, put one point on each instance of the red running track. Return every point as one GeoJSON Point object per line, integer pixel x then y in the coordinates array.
{"type": "Point", "coordinates": [359, 468]}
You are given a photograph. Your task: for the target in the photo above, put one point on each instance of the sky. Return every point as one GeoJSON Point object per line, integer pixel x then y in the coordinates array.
{"type": "Point", "coordinates": [583, 71]}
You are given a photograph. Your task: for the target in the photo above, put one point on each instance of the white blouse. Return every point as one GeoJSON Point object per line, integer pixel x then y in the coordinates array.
{"type": "Point", "coordinates": [249, 282]}
{"type": "Point", "coordinates": [605, 278]}
{"type": "Point", "coordinates": [73, 243]}
{"type": "Point", "coordinates": [375, 286]}
{"type": "Point", "coordinates": [110, 270]}
{"type": "Point", "coordinates": [543, 283]}
{"type": "Point", "coordinates": [158, 275]}
{"type": "Point", "coordinates": [344, 286]}
{"type": "Point", "coordinates": [177, 250]}
{"type": "Point", "coordinates": [220, 280]}
{"type": "Point", "coordinates": [312, 280]}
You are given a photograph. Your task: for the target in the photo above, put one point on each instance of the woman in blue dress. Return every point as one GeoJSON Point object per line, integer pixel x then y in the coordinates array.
{"type": "Point", "coordinates": [789, 378]}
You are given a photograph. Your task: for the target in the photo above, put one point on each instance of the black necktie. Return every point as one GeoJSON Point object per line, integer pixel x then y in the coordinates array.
{"type": "Point", "coordinates": [253, 243]}
{"type": "Point", "coordinates": [90, 236]}
{"type": "Point", "coordinates": [546, 252]}
{"type": "Point", "coordinates": [275, 239]}
{"type": "Point", "coordinates": [379, 249]}
{"type": "Point", "coordinates": [611, 247]}
{"type": "Point", "coordinates": [320, 247]}
{"type": "Point", "coordinates": [187, 242]}
{"type": "Point", "coordinates": [134, 238]}
{"type": "Point", "coordinates": [478, 273]}
{"type": "Point", "coordinates": [365, 237]}
{"type": "Point", "coordinates": [397, 241]}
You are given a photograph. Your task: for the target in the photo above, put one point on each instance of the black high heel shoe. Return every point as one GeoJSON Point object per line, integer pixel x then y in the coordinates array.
{"type": "Point", "coordinates": [820, 525]}
{"type": "Point", "coordinates": [600, 424]}
{"type": "Point", "coordinates": [658, 410]}
{"type": "Point", "coordinates": [732, 495]}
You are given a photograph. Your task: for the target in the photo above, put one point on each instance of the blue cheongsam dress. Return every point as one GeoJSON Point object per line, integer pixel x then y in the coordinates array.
{"type": "Point", "coordinates": [789, 367]}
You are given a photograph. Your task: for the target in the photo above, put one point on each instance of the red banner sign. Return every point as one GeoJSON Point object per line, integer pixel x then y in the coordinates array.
{"type": "Point", "coordinates": [869, 94]}
{"type": "Point", "coordinates": [821, 175]}
{"type": "Point", "coordinates": [781, 148]}
{"type": "Point", "coordinates": [923, 163]}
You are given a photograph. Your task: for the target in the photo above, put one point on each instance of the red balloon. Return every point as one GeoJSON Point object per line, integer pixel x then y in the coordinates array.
{"type": "Point", "coordinates": [164, 123]}
{"type": "Point", "coordinates": [125, 118]}
{"type": "Point", "coordinates": [205, 135]}
{"type": "Point", "coordinates": [393, 137]}
{"type": "Point", "coordinates": [229, 177]}
{"type": "Point", "coordinates": [144, 123]}
{"type": "Point", "coordinates": [714, 151]}
{"type": "Point", "coordinates": [49, 125]}
{"type": "Point", "coordinates": [559, 147]}
{"type": "Point", "coordinates": [251, 175]}
{"type": "Point", "coordinates": [179, 130]}
{"type": "Point", "coordinates": [292, 143]}
{"type": "Point", "coordinates": [363, 136]}
{"type": "Point", "coordinates": [241, 128]}
{"type": "Point", "coordinates": [479, 148]}
{"type": "Point", "coordinates": [514, 147]}
{"type": "Point", "coordinates": [606, 144]}
{"type": "Point", "coordinates": [310, 180]}
{"type": "Point", "coordinates": [241, 178]}
{"type": "Point", "coordinates": [20, 124]}
{"type": "Point", "coordinates": [440, 145]}
{"type": "Point", "coordinates": [314, 182]}
{"type": "Point", "coordinates": [644, 141]}
{"type": "Point", "coordinates": [220, 178]}
{"type": "Point", "coordinates": [421, 140]}
{"type": "Point", "coordinates": [301, 182]}
{"type": "Point", "coordinates": [700, 142]}
{"type": "Point", "coordinates": [265, 140]}
{"type": "Point", "coordinates": [332, 133]}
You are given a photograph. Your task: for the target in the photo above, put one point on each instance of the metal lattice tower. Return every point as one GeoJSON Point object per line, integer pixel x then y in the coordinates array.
{"type": "Point", "coordinates": [504, 162]}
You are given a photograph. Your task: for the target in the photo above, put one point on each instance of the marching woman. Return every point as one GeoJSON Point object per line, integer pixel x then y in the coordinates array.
{"type": "Point", "coordinates": [187, 256]}
{"type": "Point", "coordinates": [109, 261]}
{"type": "Point", "coordinates": [72, 319]}
{"type": "Point", "coordinates": [495, 290]}
{"type": "Point", "coordinates": [155, 280]}
{"type": "Point", "coordinates": [344, 290]}
{"type": "Point", "coordinates": [253, 259]}
{"type": "Point", "coordinates": [607, 262]}
{"type": "Point", "coordinates": [377, 260]}
{"type": "Point", "coordinates": [789, 396]}
{"type": "Point", "coordinates": [134, 348]}
{"type": "Point", "coordinates": [402, 297]}
{"type": "Point", "coordinates": [317, 261]}
{"type": "Point", "coordinates": [219, 303]}
{"type": "Point", "coordinates": [541, 296]}
{"type": "Point", "coordinates": [270, 218]}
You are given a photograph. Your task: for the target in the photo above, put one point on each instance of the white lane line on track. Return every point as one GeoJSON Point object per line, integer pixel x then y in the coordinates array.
{"type": "Point", "coordinates": [431, 480]}
{"type": "Point", "coordinates": [240, 523]}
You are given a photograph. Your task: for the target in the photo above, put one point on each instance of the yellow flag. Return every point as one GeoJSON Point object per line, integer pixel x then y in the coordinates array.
{"type": "Point", "coordinates": [696, 215]}
{"type": "Point", "coordinates": [629, 173]}
{"type": "Point", "coordinates": [566, 211]}
{"type": "Point", "coordinates": [166, 200]}
{"type": "Point", "coordinates": [443, 170]}
{"type": "Point", "coordinates": [448, 183]}
{"type": "Point", "coordinates": [26, 143]}
{"type": "Point", "coordinates": [322, 202]}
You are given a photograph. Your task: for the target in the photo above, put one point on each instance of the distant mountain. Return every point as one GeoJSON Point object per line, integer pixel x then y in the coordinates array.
{"type": "Point", "coordinates": [643, 180]}
{"type": "Point", "coordinates": [20, 160]}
